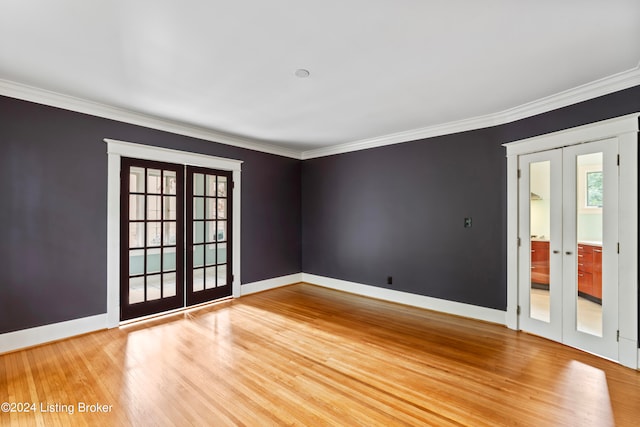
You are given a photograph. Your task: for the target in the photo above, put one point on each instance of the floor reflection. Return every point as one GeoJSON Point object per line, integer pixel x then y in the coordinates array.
{"type": "Point", "coordinates": [589, 313]}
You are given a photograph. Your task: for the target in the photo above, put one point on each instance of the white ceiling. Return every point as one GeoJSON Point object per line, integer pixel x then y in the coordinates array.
{"type": "Point", "coordinates": [378, 67]}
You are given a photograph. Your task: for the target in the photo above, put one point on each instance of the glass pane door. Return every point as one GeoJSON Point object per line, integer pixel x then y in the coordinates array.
{"type": "Point", "coordinates": [591, 253]}
{"type": "Point", "coordinates": [151, 237]}
{"type": "Point", "coordinates": [568, 257]}
{"type": "Point", "coordinates": [208, 234]}
{"type": "Point", "coordinates": [541, 263]}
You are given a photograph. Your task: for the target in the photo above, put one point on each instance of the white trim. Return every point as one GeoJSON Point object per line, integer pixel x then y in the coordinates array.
{"type": "Point", "coordinates": [265, 285]}
{"type": "Point", "coordinates": [596, 131]}
{"type": "Point", "coordinates": [113, 239]}
{"type": "Point", "coordinates": [614, 83]}
{"type": "Point", "coordinates": [628, 353]}
{"type": "Point", "coordinates": [118, 149]}
{"type": "Point", "coordinates": [512, 243]}
{"type": "Point", "coordinates": [628, 257]}
{"type": "Point", "coordinates": [236, 230]}
{"type": "Point", "coordinates": [66, 102]}
{"type": "Point", "coordinates": [406, 298]}
{"type": "Point", "coordinates": [149, 152]}
{"type": "Point", "coordinates": [24, 338]}
{"type": "Point", "coordinates": [620, 81]}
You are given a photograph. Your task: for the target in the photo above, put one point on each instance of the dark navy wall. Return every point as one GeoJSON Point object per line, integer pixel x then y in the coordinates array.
{"type": "Point", "coordinates": [391, 211]}
{"type": "Point", "coordinates": [53, 205]}
{"type": "Point", "coordinates": [399, 210]}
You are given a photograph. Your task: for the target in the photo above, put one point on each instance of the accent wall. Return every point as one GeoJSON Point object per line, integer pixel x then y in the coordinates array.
{"type": "Point", "coordinates": [53, 210]}
{"type": "Point", "coordinates": [399, 211]}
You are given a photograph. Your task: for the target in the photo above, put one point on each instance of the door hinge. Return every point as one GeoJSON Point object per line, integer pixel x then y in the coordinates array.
{"type": "Point", "coordinates": [518, 311]}
{"type": "Point", "coordinates": [618, 248]}
{"type": "Point", "coordinates": [519, 173]}
{"type": "Point", "coordinates": [233, 278]}
{"type": "Point", "coordinates": [519, 242]}
{"type": "Point", "coordinates": [618, 161]}
{"type": "Point", "coordinates": [618, 335]}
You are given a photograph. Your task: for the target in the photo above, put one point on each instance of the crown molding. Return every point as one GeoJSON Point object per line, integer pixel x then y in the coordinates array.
{"type": "Point", "coordinates": [604, 86]}
{"type": "Point", "coordinates": [54, 99]}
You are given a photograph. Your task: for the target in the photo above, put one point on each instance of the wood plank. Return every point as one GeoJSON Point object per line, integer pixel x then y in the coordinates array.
{"type": "Point", "coordinates": [304, 355]}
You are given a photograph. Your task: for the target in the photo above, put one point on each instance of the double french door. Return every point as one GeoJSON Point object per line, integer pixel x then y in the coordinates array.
{"type": "Point", "coordinates": [568, 258]}
{"type": "Point", "coordinates": [175, 224]}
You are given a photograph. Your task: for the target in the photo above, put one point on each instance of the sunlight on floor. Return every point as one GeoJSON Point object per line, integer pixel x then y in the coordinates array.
{"type": "Point", "coordinates": [587, 385]}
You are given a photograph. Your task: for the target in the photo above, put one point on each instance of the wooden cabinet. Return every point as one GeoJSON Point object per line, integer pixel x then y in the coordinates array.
{"type": "Point", "coordinates": [589, 268]}
{"type": "Point", "coordinates": [597, 272]}
{"type": "Point", "coordinates": [590, 271]}
{"type": "Point", "coordinates": [585, 269]}
{"type": "Point", "coordinates": [540, 262]}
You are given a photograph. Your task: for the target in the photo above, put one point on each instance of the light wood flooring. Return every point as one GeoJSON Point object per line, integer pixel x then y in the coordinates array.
{"type": "Point", "coordinates": [308, 356]}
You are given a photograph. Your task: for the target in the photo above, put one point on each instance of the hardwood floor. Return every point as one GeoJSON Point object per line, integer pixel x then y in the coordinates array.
{"type": "Point", "coordinates": [304, 355]}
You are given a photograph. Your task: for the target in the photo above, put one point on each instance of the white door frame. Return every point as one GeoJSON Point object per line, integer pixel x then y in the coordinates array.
{"type": "Point", "coordinates": [625, 129]}
{"type": "Point", "coordinates": [118, 149]}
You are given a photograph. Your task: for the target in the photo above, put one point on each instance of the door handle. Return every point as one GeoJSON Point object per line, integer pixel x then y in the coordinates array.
{"type": "Point", "coordinates": [556, 252]}
{"type": "Point", "coordinates": [568, 252]}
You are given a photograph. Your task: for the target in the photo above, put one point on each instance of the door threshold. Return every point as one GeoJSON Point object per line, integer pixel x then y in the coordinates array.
{"type": "Point", "coordinates": [169, 313]}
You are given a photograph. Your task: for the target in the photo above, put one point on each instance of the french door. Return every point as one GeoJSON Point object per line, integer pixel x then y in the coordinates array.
{"type": "Point", "coordinates": [208, 229]}
{"type": "Point", "coordinates": [568, 226]}
{"type": "Point", "coordinates": [157, 205]}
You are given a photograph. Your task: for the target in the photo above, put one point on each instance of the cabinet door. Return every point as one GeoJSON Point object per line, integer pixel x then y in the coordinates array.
{"type": "Point", "coordinates": [597, 272]}
{"type": "Point", "coordinates": [585, 283]}
{"type": "Point", "coordinates": [540, 262]}
{"type": "Point", "coordinates": [585, 266]}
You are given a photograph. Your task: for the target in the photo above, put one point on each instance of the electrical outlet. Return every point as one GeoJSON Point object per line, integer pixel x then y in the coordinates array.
{"type": "Point", "coordinates": [467, 222]}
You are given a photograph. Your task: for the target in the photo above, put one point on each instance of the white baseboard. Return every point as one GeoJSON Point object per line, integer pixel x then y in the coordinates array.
{"type": "Point", "coordinates": [12, 341]}
{"type": "Point", "coordinates": [24, 338]}
{"type": "Point", "coordinates": [406, 298]}
{"type": "Point", "coordinates": [628, 352]}
{"type": "Point", "coordinates": [265, 285]}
